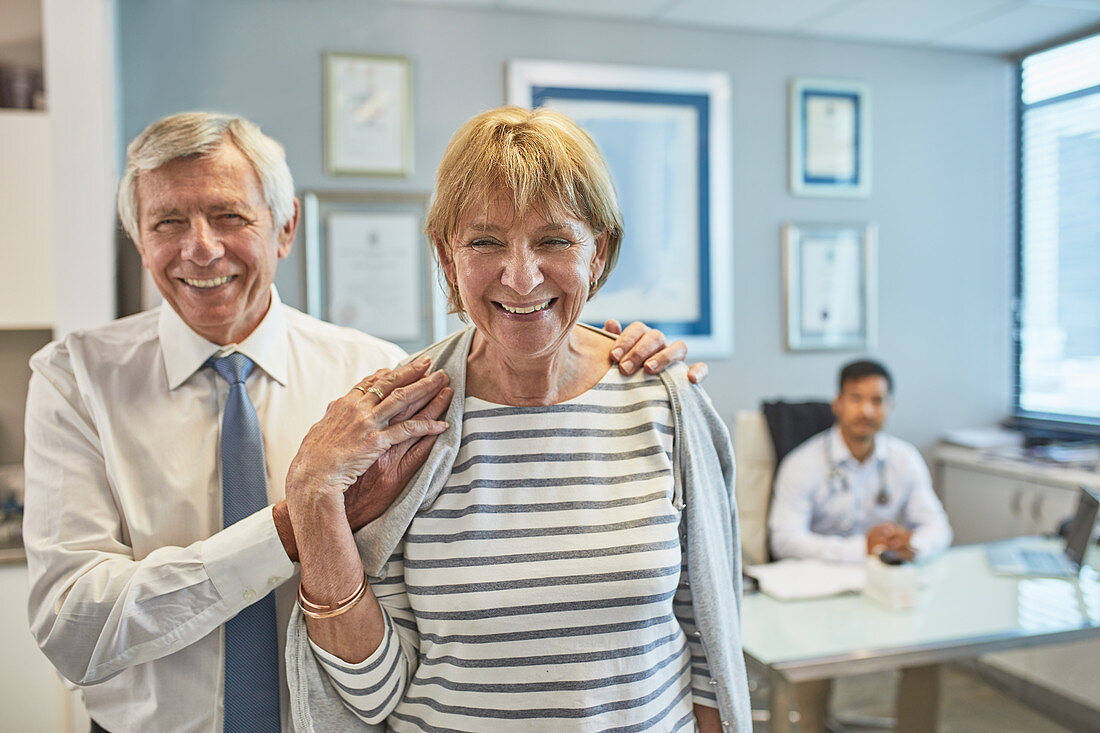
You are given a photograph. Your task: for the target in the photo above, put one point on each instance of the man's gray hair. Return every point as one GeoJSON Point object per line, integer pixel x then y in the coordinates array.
{"type": "Point", "coordinates": [201, 133]}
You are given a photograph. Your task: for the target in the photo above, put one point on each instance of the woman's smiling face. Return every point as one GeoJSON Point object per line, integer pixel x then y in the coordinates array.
{"type": "Point", "coordinates": [524, 280]}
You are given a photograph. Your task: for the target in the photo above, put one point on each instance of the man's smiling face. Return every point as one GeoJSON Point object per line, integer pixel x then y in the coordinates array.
{"type": "Point", "coordinates": [210, 243]}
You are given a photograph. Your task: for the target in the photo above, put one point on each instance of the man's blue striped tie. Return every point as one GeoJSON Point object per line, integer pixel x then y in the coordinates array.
{"type": "Point", "coordinates": [251, 637]}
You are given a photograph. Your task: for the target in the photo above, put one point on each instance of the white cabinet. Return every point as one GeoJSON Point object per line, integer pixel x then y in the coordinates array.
{"type": "Point", "coordinates": [26, 221]}
{"type": "Point", "coordinates": [977, 505]}
{"type": "Point", "coordinates": [990, 497]}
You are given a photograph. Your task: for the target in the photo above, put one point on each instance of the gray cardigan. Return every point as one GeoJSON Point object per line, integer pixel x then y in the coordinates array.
{"type": "Point", "coordinates": [703, 470]}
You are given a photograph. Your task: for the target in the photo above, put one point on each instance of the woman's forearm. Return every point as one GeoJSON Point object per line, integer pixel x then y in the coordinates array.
{"type": "Point", "coordinates": [372, 421]}
{"type": "Point", "coordinates": [330, 572]}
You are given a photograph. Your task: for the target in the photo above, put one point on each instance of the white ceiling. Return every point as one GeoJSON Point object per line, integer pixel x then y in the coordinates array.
{"type": "Point", "coordinates": [986, 26]}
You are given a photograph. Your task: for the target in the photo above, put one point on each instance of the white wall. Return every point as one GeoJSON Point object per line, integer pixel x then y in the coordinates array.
{"type": "Point", "coordinates": [80, 70]}
{"type": "Point", "coordinates": [943, 162]}
{"type": "Point", "coordinates": [26, 221]}
{"type": "Point", "coordinates": [79, 38]}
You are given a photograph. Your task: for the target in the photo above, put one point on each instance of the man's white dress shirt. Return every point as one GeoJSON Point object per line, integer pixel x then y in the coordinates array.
{"type": "Point", "coordinates": [131, 573]}
{"type": "Point", "coordinates": [825, 500]}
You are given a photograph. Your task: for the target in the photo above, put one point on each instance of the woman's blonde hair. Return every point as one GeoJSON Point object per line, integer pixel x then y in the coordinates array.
{"type": "Point", "coordinates": [542, 158]}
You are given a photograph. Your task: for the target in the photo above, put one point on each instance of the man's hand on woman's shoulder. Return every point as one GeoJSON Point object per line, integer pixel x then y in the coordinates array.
{"type": "Point", "coordinates": [640, 345]}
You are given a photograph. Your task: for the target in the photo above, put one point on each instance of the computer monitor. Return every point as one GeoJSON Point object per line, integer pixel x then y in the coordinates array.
{"type": "Point", "coordinates": [1080, 529]}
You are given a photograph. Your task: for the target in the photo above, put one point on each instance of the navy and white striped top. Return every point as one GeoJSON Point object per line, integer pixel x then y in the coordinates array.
{"type": "Point", "coordinates": [545, 589]}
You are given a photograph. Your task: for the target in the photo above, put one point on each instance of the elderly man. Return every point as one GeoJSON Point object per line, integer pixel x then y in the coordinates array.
{"type": "Point", "coordinates": [158, 445]}
{"type": "Point", "coordinates": [852, 491]}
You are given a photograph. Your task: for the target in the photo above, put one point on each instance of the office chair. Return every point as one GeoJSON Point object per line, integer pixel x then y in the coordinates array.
{"type": "Point", "coordinates": [762, 438]}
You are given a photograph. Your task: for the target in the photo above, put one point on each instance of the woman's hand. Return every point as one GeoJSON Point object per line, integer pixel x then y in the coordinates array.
{"type": "Point", "coordinates": [361, 427]}
{"type": "Point", "coordinates": [373, 492]}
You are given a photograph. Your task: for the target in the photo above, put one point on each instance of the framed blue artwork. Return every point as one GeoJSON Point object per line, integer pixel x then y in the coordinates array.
{"type": "Point", "coordinates": [665, 134]}
{"type": "Point", "coordinates": [830, 138]}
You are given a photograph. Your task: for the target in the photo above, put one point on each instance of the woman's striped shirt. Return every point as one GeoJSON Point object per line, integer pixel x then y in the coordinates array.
{"type": "Point", "coordinates": [545, 589]}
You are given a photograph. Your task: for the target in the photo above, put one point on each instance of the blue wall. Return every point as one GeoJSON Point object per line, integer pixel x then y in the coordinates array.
{"type": "Point", "coordinates": [942, 141]}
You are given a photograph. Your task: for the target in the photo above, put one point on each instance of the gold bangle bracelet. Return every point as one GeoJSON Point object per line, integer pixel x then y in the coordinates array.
{"type": "Point", "coordinates": [313, 610]}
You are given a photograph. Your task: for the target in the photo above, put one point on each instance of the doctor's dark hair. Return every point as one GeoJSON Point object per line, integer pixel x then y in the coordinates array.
{"type": "Point", "coordinates": [864, 368]}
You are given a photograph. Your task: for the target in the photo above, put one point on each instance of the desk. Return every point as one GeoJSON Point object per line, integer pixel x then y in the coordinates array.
{"type": "Point", "coordinates": [963, 611]}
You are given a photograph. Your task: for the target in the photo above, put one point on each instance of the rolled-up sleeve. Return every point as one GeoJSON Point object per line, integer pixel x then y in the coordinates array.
{"type": "Point", "coordinates": [370, 690]}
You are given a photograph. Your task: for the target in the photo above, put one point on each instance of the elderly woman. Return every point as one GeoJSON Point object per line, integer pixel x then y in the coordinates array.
{"type": "Point", "coordinates": [565, 560]}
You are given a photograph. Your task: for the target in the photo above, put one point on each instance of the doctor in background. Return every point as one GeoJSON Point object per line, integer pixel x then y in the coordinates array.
{"type": "Point", "coordinates": [851, 491]}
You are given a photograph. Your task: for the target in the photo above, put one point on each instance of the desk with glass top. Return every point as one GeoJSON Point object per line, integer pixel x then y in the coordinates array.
{"type": "Point", "coordinates": [963, 611]}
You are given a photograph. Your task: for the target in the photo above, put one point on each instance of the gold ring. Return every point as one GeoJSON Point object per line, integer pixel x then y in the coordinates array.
{"type": "Point", "coordinates": [360, 389]}
{"type": "Point", "coordinates": [375, 390]}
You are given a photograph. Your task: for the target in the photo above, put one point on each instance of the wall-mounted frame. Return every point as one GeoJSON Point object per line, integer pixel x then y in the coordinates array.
{"type": "Point", "coordinates": [830, 145]}
{"type": "Point", "coordinates": [368, 115]}
{"type": "Point", "coordinates": [368, 266]}
{"type": "Point", "coordinates": [829, 286]}
{"type": "Point", "coordinates": [665, 134]}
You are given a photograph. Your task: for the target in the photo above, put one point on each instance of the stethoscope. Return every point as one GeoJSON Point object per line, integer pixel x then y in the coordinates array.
{"type": "Point", "coordinates": [838, 478]}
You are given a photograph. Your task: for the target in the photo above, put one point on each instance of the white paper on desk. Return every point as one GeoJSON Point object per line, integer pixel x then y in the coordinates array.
{"type": "Point", "coordinates": [789, 580]}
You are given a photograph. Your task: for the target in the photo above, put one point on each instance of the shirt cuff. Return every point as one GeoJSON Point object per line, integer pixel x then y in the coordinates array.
{"type": "Point", "coordinates": [246, 560]}
{"type": "Point", "coordinates": [853, 549]}
{"type": "Point", "coordinates": [924, 548]}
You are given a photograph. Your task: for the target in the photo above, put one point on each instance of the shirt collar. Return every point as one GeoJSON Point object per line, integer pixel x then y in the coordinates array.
{"type": "Point", "coordinates": [881, 449]}
{"type": "Point", "coordinates": [185, 351]}
{"type": "Point", "coordinates": [839, 453]}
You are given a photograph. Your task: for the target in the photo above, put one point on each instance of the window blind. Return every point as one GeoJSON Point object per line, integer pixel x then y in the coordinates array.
{"type": "Point", "coordinates": [1058, 317]}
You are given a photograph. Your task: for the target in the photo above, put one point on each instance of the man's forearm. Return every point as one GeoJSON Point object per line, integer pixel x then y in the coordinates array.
{"type": "Point", "coordinates": [101, 600]}
{"type": "Point", "coordinates": [96, 613]}
{"type": "Point", "coordinates": [806, 544]}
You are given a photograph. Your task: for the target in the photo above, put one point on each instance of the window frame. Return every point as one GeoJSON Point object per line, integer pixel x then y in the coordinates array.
{"type": "Point", "coordinates": [1042, 425]}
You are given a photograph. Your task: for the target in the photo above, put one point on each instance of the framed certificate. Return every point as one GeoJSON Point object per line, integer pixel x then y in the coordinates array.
{"type": "Point", "coordinates": [368, 266]}
{"type": "Point", "coordinates": [830, 146]}
{"type": "Point", "coordinates": [829, 286]}
{"type": "Point", "coordinates": [368, 115]}
{"type": "Point", "coordinates": [665, 134]}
